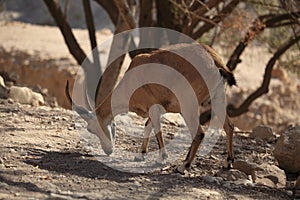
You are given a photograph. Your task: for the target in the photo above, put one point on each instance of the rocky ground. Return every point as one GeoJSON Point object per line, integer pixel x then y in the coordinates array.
{"type": "Point", "coordinates": [44, 156]}
{"type": "Point", "coordinates": [46, 152]}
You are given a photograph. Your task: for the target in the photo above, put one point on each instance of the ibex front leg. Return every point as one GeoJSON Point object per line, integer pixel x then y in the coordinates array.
{"type": "Point", "coordinates": [155, 113]}
{"type": "Point", "coordinates": [161, 144]}
{"type": "Point", "coordinates": [145, 144]}
{"type": "Point", "coordinates": [153, 122]}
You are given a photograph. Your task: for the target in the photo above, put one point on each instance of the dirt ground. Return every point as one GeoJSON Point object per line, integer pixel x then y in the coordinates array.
{"type": "Point", "coordinates": [43, 156]}
{"type": "Point", "coordinates": [45, 152]}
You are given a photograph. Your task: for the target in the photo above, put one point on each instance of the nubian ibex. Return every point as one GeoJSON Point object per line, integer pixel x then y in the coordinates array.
{"type": "Point", "coordinates": [151, 94]}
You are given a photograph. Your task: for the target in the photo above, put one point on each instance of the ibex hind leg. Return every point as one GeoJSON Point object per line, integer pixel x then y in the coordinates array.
{"type": "Point", "coordinates": [155, 113]}
{"type": "Point", "coordinates": [228, 127]}
{"type": "Point", "coordinates": [162, 150]}
{"type": "Point", "coordinates": [192, 152]}
{"type": "Point", "coordinates": [153, 122]}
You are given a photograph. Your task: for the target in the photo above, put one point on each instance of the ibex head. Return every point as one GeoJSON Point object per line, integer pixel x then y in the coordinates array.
{"type": "Point", "coordinates": [96, 125]}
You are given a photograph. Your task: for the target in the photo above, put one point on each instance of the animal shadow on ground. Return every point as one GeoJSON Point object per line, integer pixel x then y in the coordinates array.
{"type": "Point", "coordinates": [84, 165]}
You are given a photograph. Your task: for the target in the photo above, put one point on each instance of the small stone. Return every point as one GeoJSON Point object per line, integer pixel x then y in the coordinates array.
{"type": "Point", "coordinates": [289, 192]}
{"type": "Point", "coordinates": [263, 132]}
{"type": "Point", "coordinates": [231, 175]}
{"type": "Point", "coordinates": [243, 182]}
{"type": "Point", "coordinates": [56, 118]}
{"type": "Point", "coordinates": [10, 100]}
{"type": "Point", "coordinates": [246, 167]}
{"type": "Point", "coordinates": [76, 125]}
{"type": "Point", "coordinates": [227, 185]}
{"type": "Point", "coordinates": [210, 179]}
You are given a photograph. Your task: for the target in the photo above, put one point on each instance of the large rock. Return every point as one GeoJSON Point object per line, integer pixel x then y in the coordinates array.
{"type": "Point", "coordinates": [265, 174]}
{"type": "Point", "coordinates": [25, 95]}
{"type": "Point", "coordinates": [287, 150]}
{"type": "Point", "coordinates": [271, 176]}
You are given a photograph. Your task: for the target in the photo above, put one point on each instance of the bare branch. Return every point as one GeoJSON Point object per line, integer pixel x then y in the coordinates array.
{"type": "Point", "coordinates": [262, 22]}
{"type": "Point", "coordinates": [145, 13]}
{"type": "Point", "coordinates": [164, 14]}
{"type": "Point", "coordinates": [73, 46]}
{"type": "Point", "coordinates": [112, 71]}
{"type": "Point", "coordinates": [125, 12]}
{"type": "Point", "coordinates": [90, 22]}
{"type": "Point", "coordinates": [66, 9]}
{"type": "Point", "coordinates": [193, 14]}
{"type": "Point", "coordinates": [216, 19]}
{"type": "Point", "coordinates": [243, 108]}
{"type": "Point", "coordinates": [263, 89]}
{"type": "Point", "coordinates": [111, 9]}
{"type": "Point", "coordinates": [198, 11]}
{"type": "Point", "coordinates": [253, 31]}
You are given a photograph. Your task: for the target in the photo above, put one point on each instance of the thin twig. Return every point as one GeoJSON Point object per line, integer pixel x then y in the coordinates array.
{"type": "Point", "coordinates": [193, 14]}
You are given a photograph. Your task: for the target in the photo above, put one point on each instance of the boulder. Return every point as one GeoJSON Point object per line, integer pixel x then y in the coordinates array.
{"type": "Point", "coordinates": [263, 132]}
{"type": "Point", "coordinates": [287, 150]}
{"type": "Point", "coordinates": [25, 95]}
{"type": "Point", "coordinates": [265, 174]}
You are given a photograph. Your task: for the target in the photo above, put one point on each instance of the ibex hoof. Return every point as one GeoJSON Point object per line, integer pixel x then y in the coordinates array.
{"type": "Point", "coordinates": [161, 161]}
{"type": "Point", "coordinates": [139, 157]}
{"type": "Point", "coordinates": [164, 156]}
{"type": "Point", "coordinates": [228, 164]}
{"type": "Point", "coordinates": [181, 169]}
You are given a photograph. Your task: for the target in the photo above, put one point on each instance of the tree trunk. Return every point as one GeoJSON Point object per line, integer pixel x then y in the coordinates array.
{"type": "Point", "coordinates": [70, 40]}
